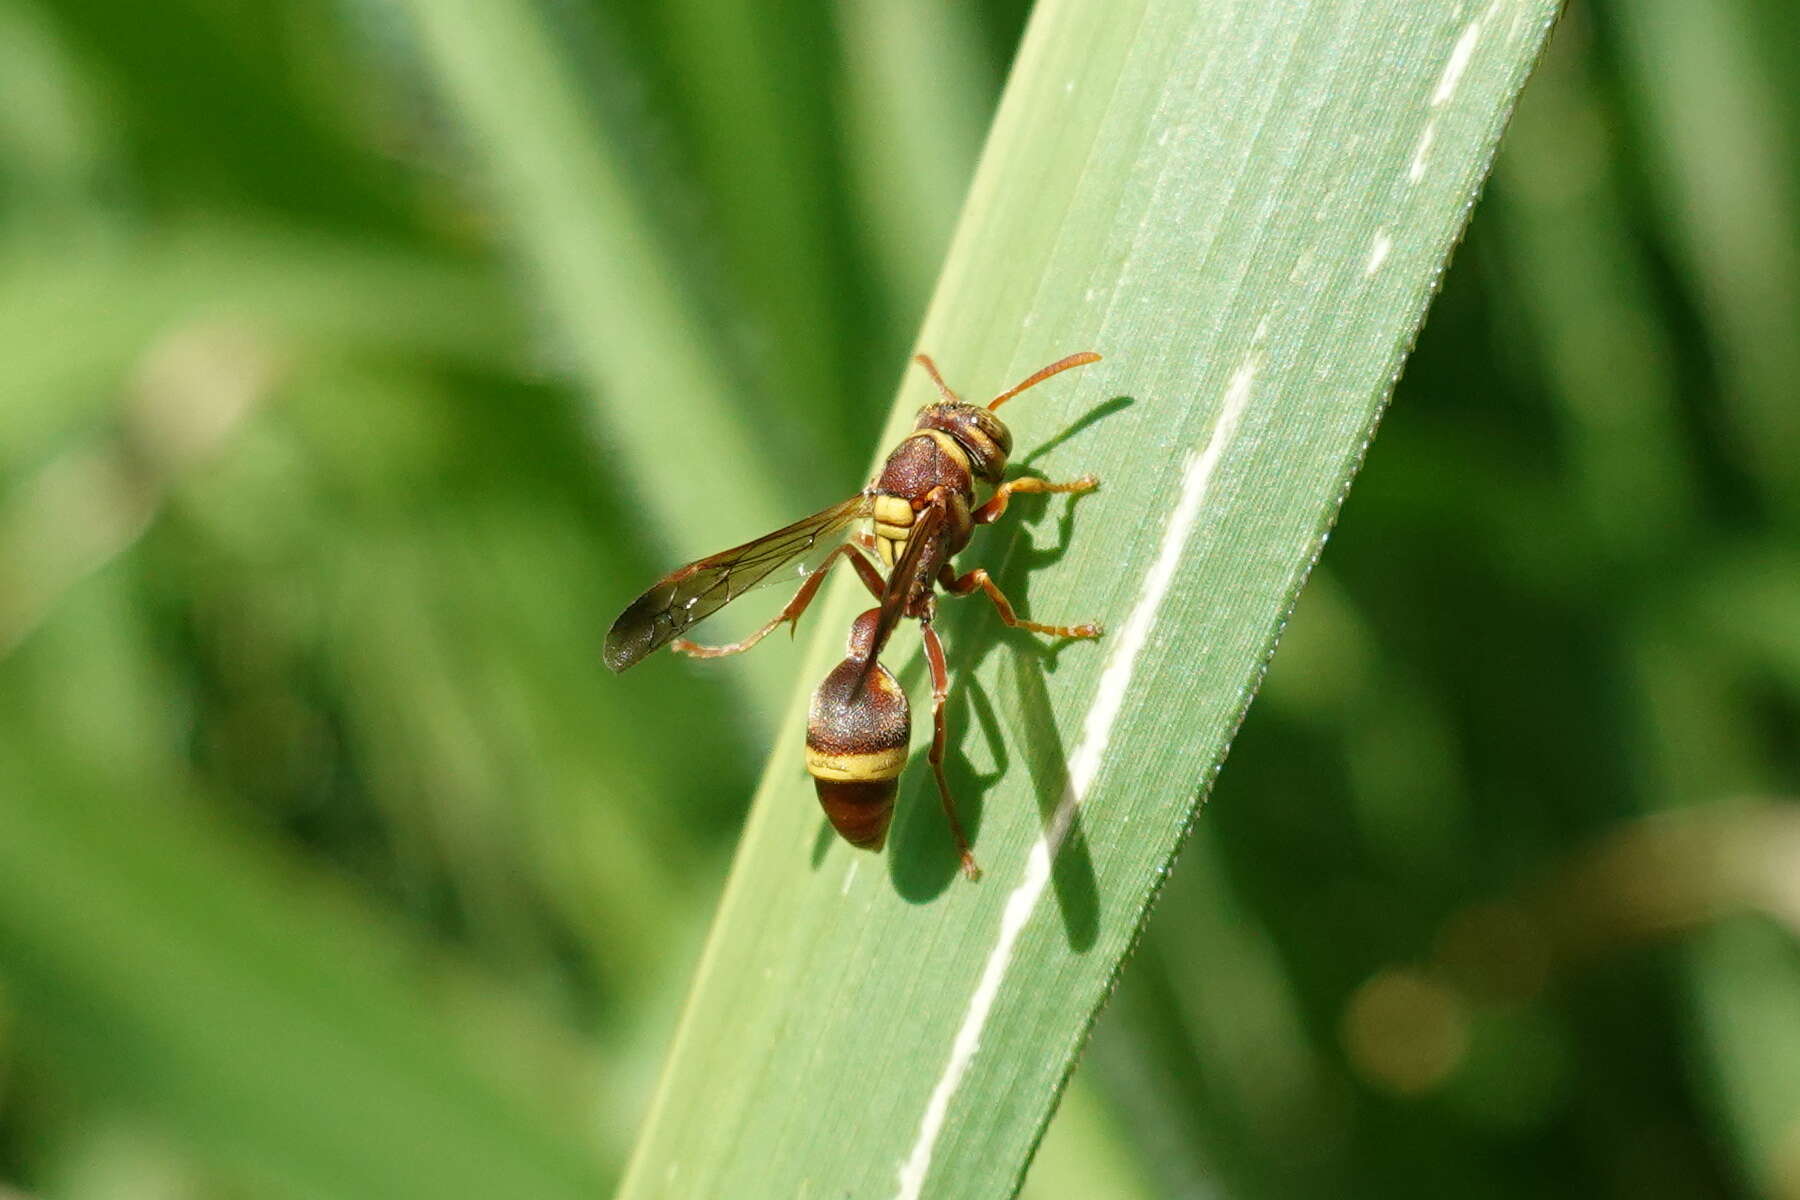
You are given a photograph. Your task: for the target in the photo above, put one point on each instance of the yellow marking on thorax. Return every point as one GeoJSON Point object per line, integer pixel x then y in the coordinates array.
{"type": "Point", "coordinates": [893, 519]}
{"type": "Point", "coordinates": [948, 445]}
{"type": "Point", "coordinates": [893, 510]}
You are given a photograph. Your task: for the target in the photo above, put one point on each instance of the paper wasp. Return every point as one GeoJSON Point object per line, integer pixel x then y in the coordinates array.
{"type": "Point", "coordinates": [923, 509]}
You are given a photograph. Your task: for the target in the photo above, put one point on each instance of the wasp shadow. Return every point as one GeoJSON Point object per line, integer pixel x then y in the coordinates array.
{"type": "Point", "coordinates": [1047, 760]}
{"type": "Point", "coordinates": [922, 860]}
{"type": "Point", "coordinates": [920, 865]}
{"type": "Point", "coordinates": [1092, 416]}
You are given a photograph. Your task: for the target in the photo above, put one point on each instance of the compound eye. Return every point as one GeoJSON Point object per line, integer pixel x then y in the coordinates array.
{"type": "Point", "coordinates": [992, 442]}
{"type": "Point", "coordinates": [996, 429]}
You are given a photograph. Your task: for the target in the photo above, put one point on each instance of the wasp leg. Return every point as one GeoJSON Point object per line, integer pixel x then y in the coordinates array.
{"type": "Point", "coordinates": [864, 569]}
{"type": "Point", "coordinates": [990, 512]}
{"type": "Point", "coordinates": [979, 578]}
{"type": "Point", "coordinates": [940, 690]}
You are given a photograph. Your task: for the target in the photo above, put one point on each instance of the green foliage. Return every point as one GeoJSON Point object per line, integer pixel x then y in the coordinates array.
{"type": "Point", "coordinates": [362, 359]}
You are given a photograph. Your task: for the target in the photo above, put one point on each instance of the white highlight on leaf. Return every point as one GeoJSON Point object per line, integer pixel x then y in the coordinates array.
{"type": "Point", "coordinates": [1084, 767]}
{"type": "Point", "coordinates": [1459, 62]}
{"type": "Point", "coordinates": [850, 876]}
{"type": "Point", "coordinates": [1378, 252]}
{"type": "Point", "coordinates": [1416, 171]}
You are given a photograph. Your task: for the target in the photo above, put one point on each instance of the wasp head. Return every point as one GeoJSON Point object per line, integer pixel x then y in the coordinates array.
{"type": "Point", "coordinates": [981, 434]}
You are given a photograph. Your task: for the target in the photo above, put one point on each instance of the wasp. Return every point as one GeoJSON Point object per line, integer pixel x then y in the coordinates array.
{"type": "Point", "coordinates": [922, 512]}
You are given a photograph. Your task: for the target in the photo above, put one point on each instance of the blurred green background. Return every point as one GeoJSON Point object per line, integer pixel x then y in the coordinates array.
{"type": "Point", "coordinates": [333, 863]}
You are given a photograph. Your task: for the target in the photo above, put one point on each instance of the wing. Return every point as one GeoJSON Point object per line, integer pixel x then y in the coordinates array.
{"type": "Point", "coordinates": [686, 596]}
{"type": "Point", "coordinates": [917, 564]}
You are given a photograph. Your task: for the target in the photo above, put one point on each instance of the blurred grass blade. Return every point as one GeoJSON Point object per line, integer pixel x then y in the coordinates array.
{"type": "Point", "coordinates": [1711, 93]}
{"type": "Point", "coordinates": [573, 207]}
{"type": "Point", "coordinates": [1084, 1155]}
{"type": "Point", "coordinates": [751, 91]}
{"type": "Point", "coordinates": [171, 973]}
{"type": "Point", "coordinates": [1246, 208]}
{"type": "Point", "coordinates": [296, 289]}
{"type": "Point", "coordinates": [1586, 293]}
{"type": "Point", "coordinates": [1745, 981]}
{"type": "Point", "coordinates": [915, 93]}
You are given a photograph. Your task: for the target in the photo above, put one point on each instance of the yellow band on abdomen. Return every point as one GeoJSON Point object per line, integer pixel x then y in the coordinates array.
{"type": "Point", "coordinates": [856, 768]}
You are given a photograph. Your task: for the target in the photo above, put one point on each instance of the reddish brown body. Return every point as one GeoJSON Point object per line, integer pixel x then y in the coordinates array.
{"type": "Point", "coordinates": [857, 734]}
{"type": "Point", "coordinates": [923, 509]}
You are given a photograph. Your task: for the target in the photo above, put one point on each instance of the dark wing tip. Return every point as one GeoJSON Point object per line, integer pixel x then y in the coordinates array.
{"type": "Point", "coordinates": [629, 640]}
{"type": "Point", "coordinates": [617, 654]}
{"type": "Point", "coordinates": [643, 626]}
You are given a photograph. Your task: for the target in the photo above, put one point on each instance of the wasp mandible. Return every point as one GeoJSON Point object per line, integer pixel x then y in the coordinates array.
{"type": "Point", "coordinates": [923, 511]}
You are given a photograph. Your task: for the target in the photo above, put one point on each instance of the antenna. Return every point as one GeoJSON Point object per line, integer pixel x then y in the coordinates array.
{"type": "Point", "coordinates": [1055, 368]}
{"type": "Point", "coordinates": [924, 360]}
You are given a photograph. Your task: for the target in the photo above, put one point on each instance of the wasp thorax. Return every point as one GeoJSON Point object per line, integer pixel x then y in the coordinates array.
{"type": "Point", "coordinates": [979, 432]}
{"type": "Point", "coordinates": [856, 740]}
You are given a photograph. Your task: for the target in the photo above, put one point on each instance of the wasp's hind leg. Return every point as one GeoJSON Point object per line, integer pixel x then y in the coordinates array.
{"type": "Point", "coordinates": [940, 690]}
{"type": "Point", "coordinates": [808, 589]}
{"type": "Point", "coordinates": [979, 578]}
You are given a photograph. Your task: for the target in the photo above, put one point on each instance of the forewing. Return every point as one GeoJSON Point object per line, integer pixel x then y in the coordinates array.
{"type": "Point", "coordinates": [906, 572]}
{"type": "Point", "coordinates": [689, 595]}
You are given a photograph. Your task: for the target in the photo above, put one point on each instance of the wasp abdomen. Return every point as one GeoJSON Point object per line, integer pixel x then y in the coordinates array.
{"type": "Point", "coordinates": [857, 735]}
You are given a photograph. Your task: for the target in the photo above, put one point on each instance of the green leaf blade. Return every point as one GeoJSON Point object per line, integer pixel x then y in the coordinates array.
{"type": "Point", "coordinates": [1246, 208]}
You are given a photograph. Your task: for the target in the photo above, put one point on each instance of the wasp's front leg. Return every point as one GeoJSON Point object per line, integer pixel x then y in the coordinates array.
{"type": "Point", "coordinates": [990, 512]}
